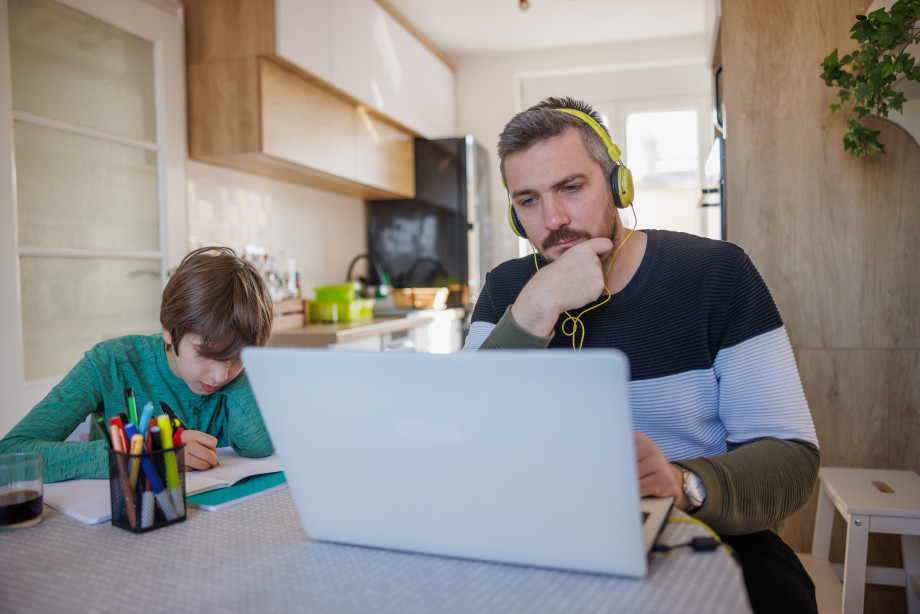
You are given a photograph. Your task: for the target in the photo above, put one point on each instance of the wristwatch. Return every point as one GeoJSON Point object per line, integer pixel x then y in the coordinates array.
{"type": "Point", "coordinates": [694, 489]}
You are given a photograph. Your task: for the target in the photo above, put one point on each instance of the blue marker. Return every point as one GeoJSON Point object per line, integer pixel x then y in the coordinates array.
{"type": "Point", "coordinates": [146, 413]}
{"type": "Point", "coordinates": [162, 496]}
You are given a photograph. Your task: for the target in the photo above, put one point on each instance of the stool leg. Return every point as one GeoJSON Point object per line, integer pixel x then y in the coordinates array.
{"type": "Point", "coordinates": [824, 523]}
{"type": "Point", "coordinates": [854, 564]}
{"type": "Point", "coordinates": [910, 547]}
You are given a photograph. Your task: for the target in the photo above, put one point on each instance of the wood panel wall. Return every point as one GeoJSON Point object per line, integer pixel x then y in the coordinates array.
{"type": "Point", "coordinates": [834, 237]}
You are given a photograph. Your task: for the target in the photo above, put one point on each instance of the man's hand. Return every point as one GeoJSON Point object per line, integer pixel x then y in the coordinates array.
{"type": "Point", "coordinates": [200, 450]}
{"type": "Point", "coordinates": [574, 279]}
{"type": "Point", "coordinates": [658, 477]}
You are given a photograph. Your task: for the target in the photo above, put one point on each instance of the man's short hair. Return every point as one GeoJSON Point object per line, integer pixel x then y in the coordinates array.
{"type": "Point", "coordinates": [220, 297]}
{"type": "Point", "coordinates": [542, 121]}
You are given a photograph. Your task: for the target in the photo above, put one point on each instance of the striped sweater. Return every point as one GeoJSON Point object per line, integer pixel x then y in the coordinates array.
{"type": "Point", "coordinates": [711, 369]}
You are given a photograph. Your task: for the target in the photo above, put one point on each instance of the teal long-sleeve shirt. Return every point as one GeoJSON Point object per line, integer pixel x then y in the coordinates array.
{"type": "Point", "coordinates": [96, 386]}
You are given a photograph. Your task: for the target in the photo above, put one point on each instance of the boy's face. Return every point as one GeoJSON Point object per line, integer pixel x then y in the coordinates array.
{"type": "Point", "coordinates": [202, 375]}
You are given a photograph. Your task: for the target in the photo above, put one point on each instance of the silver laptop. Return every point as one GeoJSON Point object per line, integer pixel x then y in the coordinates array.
{"type": "Point", "coordinates": [518, 456]}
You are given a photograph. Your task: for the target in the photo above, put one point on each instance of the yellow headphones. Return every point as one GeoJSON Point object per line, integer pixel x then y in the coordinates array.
{"type": "Point", "coordinates": [621, 181]}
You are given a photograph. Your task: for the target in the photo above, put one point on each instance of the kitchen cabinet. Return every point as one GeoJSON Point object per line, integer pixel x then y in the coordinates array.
{"type": "Point", "coordinates": [329, 94]}
{"type": "Point", "coordinates": [303, 35]}
{"type": "Point", "coordinates": [360, 48]}
{"type": "Point", "coordinates": [376, 60]}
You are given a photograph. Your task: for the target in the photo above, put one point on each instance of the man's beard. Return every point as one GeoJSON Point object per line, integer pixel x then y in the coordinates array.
{"type": "Point", "coordinates": [610, 221]}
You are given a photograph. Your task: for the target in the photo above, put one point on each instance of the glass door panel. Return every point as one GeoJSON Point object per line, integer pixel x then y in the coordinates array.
{"type": "Point", "coordinates": [87, 183]}
{"type": "Point", "coordinates": [70, 304]}
{"type": "Point", "coordinates": [71, 67]}
{"type": "Point", "coordinates": [79, 192]}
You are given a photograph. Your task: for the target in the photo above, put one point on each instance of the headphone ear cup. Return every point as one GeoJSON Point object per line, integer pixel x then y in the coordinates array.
{"type": "Point", "coordinates": [621, 184]}
{"type": "Point", "coordinates": [513, 221]}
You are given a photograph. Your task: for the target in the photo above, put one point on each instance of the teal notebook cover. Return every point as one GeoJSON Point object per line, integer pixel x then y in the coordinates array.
{"type": "Point", "coordinates": [242, 490]}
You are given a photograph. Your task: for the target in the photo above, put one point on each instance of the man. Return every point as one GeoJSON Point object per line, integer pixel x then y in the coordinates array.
{"type": "Point", "coordinates": [721, 420]}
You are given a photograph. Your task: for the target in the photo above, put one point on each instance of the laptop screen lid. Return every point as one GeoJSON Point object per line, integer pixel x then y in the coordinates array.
{"type": "Point", "coordinates": [513, 456]}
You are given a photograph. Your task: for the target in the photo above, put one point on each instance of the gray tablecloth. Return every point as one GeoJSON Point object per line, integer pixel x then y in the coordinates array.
{"type": "Point", "coordinates": [256, 557]}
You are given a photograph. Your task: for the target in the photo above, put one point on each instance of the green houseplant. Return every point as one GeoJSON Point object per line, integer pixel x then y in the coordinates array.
{"type": "Point", "coordinates": [867, 77]}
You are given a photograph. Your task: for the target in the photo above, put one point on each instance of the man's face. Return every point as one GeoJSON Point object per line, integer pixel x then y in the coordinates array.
{"type": "Point", "coordinates": [202, 375]}
{"type": "Point", "coordinates": [560, 194]}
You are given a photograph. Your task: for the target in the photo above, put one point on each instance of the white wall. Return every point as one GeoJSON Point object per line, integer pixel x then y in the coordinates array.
{"type": "Point", "coordinates": [321, 230]}
{"type": "Point", "coordinates": [492, 88]}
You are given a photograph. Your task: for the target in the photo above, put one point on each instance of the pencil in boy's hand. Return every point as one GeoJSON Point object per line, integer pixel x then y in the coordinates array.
{"type": "Point", "coordinates": [172, 415]}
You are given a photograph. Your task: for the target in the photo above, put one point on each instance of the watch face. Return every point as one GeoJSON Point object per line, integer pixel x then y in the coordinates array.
{"type": "Point", "coordinates": [693, 488]}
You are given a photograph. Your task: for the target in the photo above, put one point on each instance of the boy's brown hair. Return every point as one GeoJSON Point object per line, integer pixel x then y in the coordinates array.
{"type": "Point", "coordinates": [222, 298]}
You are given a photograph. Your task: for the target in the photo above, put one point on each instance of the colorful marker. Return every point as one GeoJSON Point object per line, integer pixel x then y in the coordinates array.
{"type": "Point", "coordinates": [105, 430]}
{"type": "Point", "coordinates": [169, 460]}
{"type": "Point", "coordinates": [162, 497]}
{"type": "Point", "coordinates": [146, 414]}
{"type": "Point", "coordinates": [118, 445]}
{"type": "Point", "coordinates": [169, 412]}
{"type": "Point", "coordinates": [132, 407]}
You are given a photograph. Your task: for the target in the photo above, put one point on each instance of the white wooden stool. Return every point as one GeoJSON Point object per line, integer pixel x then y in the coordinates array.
{"type": "Point", "coordinates": [870, 501]}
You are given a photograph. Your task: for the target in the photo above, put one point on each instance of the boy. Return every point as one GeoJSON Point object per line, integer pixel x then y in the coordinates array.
{"type": "Point", "coordinates": [213, 305]}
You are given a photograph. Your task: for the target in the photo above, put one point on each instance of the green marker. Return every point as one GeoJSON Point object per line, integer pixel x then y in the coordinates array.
{"type": "Point", "coordinates": [132, 407]}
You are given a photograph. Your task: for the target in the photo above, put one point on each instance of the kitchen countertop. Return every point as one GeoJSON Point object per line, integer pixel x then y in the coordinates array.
{"type": "Point", "coordinates": [322, 335]}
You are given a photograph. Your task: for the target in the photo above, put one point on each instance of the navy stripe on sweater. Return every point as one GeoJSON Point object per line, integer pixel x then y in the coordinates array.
{"type": "Point", "coordinates": [670, 318]}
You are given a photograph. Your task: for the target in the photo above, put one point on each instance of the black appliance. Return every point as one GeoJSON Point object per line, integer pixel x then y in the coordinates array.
{"type": "Point", "coordinates": [441, 237]}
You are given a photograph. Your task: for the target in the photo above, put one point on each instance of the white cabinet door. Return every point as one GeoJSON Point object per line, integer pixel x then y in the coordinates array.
{"type": "Point", "coordinates": [381, 64]}
{"type": "Point", "coordinates": [425, 100]}
{"type": "Point", "coordinates": [351, 49]}
{"type": "Point", "coordinates": [303, 34]}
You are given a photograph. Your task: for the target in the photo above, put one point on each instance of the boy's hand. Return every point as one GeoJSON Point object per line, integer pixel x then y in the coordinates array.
{"type": "Point", "coordinates": [200, 450]}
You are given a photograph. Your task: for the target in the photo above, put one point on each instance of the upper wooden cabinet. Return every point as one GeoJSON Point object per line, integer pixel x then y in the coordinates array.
{"type": "Point", "coordinates": [325, 93]}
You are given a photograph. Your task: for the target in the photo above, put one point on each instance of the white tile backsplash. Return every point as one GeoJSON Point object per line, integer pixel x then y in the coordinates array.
{"type": "Point", "coordinates": [322, 231]}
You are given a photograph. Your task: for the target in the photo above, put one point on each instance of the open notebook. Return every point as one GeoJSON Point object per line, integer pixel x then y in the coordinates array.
{"type": "Point", "coordinates": [512, 456]}
{"type": "Point", "coordinates": [89, 501]}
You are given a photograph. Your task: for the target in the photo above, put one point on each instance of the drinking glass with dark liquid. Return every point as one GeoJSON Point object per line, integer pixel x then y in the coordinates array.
{"type": "Point", "coordinates": [21, 490]}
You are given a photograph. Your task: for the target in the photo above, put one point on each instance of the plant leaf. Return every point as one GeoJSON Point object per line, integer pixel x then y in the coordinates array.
{"type": "Point", "coordinates": [880, 15]}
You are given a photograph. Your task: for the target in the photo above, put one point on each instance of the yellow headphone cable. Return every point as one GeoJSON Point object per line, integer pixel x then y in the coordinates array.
{"type": "Point", "coordinates": [571, 324]}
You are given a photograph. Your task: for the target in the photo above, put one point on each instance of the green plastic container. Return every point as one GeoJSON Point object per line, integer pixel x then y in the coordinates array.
{"type": "Point", "coordinates": [339, 293]}
{"type": "Point", "coordinates": [329, 312]}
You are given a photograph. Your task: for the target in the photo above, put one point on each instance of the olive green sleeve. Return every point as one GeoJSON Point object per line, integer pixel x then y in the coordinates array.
{"type": "Point", "coordinates": [755, 485]}
{"type": "Point", "coordinates": [508, 335]}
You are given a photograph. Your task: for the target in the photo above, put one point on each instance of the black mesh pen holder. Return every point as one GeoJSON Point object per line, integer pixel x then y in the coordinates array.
{"type": "Point", "coordinates": [148, 490]}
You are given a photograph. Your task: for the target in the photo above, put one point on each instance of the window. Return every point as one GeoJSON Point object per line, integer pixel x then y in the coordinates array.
{"type": "Point", "coordinates": [663, 151]}
{"type": "Point", "coordinates": [663, 142]}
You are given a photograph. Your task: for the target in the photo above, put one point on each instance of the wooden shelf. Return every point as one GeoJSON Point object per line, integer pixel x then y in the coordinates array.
{"type": "Point", "coordinates": [253, 111]}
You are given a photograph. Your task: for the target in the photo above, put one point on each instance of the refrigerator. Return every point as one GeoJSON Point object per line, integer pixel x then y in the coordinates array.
{"type": "Point", "coordinates": [442, 237]}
